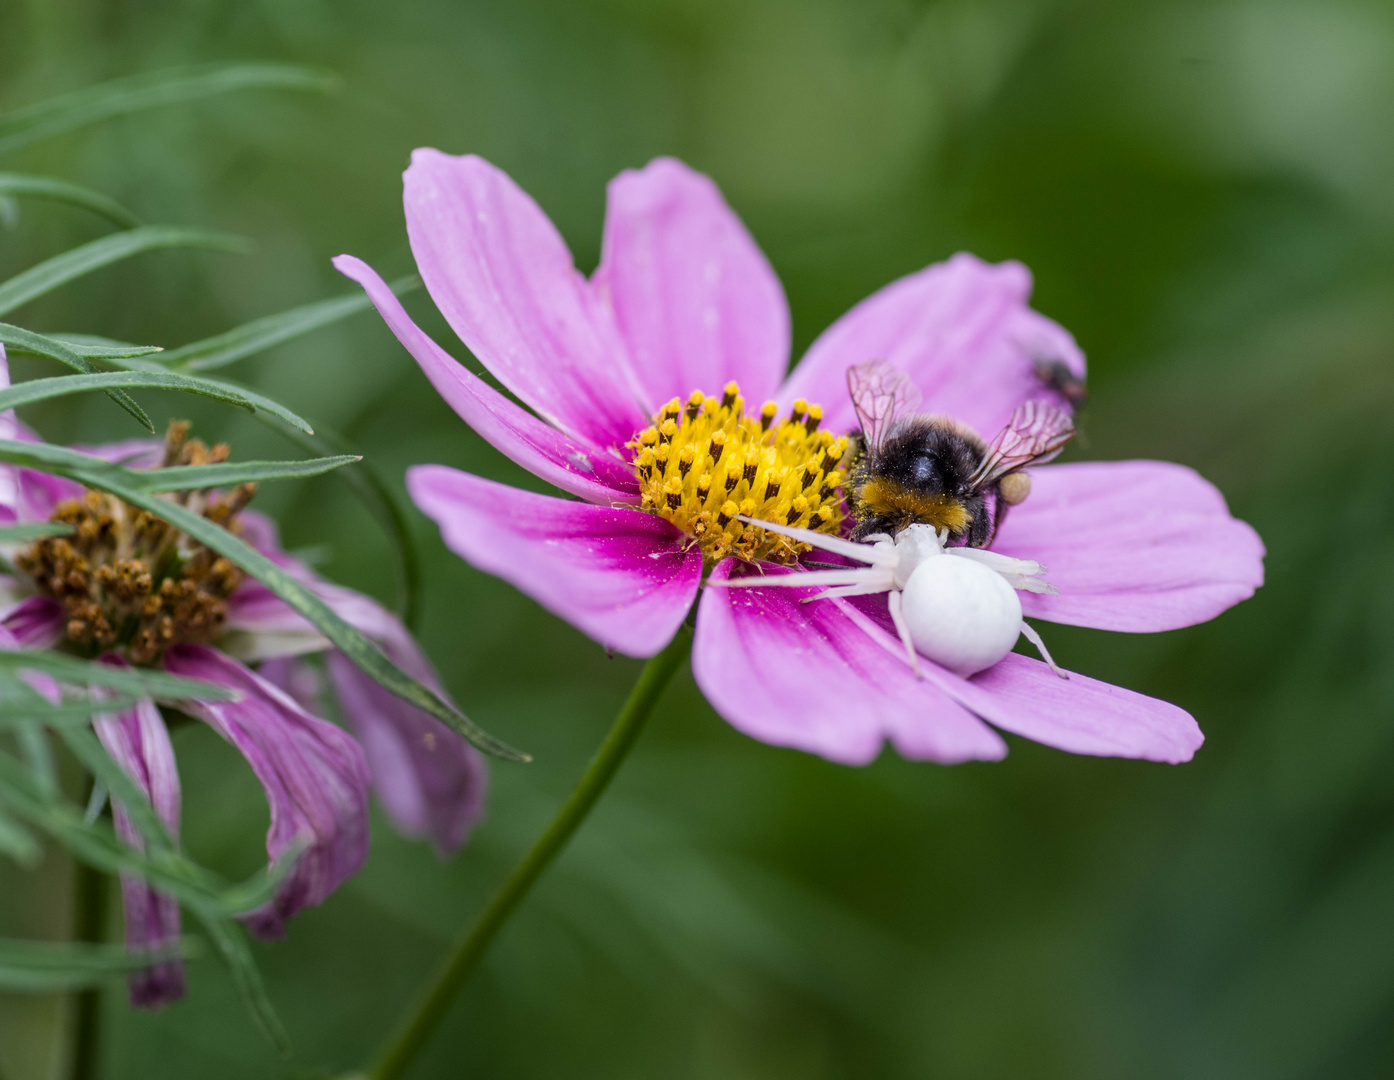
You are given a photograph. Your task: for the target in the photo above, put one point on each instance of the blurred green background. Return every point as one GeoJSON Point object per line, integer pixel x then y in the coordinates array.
{"type": "Point", "coordinates": [1205, 192]}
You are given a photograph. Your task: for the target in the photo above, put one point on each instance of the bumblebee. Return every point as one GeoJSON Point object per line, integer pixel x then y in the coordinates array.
{"type": "Point", "coordinates": [909, 468]}
{"type": "Point", "coordinates": [1058, 376]}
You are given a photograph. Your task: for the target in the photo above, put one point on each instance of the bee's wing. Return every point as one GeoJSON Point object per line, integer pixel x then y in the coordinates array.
{"type": "Point", "coordinates": [881, 394]}
{"type": "Point", "coordinates": [1037, 432]}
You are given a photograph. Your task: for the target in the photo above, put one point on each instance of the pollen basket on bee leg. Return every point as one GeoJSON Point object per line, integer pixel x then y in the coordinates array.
{"type": "Point", "coordinates": [1014, 488]}
{"type": "Point", "coordinates": [704, 464]}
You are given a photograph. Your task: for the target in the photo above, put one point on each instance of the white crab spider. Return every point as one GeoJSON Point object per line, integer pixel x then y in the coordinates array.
{"type": "Point", "coordinates": [960, 612]}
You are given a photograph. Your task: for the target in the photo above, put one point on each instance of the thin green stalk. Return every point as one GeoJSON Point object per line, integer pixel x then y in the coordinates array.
{"type": "Point", "coordinates": [89, 924]}
{"type": "Point", "coordinates": [411, 1037]}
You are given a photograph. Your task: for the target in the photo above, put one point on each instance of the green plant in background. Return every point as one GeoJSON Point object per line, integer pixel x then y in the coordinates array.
{"type": "Point", "coordinates": [145, 563]}
{"type": "Point", "coordinates": [1202, 192]}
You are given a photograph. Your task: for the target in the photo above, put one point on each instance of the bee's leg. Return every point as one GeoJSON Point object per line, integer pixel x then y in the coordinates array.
{"type": "Point", "coordinates": [999, 514]}
{"type": "Point", "coordinates": [870, 526]}
{"type": "Point", "coordinates": [982, 526]}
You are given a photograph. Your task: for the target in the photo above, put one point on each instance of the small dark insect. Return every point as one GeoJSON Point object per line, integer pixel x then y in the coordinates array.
{"type": "Point", "coordinates": [1057, 375]}
{"type": "Point", "coordinates": [910, 468]}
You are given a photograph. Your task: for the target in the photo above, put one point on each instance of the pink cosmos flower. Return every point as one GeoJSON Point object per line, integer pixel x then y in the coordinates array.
{"type": "Point", "coordinates": [135, 590]}
{"type": "Point", "coordinates": [684, 302]}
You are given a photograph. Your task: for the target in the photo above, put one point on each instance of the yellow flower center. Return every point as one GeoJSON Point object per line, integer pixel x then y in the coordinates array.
{"type": "Point", "coordinates": [705, 464]}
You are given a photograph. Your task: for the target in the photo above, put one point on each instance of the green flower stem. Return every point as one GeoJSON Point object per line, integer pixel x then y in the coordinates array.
{"type": "Point", "coordinates": [89, 919]}
{"type": "Point", "coordinates": [409, 1039]}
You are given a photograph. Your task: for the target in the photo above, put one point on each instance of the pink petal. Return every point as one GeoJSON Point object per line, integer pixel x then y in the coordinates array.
{"type": "Point", "coordinates": [1078, 714]}
{"type": "Point", "coordinates": [811, 676]}
{"type": "Point", "coordinates": [261, 625]}
{"type": "Point", "coordinates": [25, 494]}
{"type": "Point", "coordinates": [1132, 545]}
{"type": "Point", "coordinates": [430, 781]}
{"type": "Point", "coordinates": [301, 680]}
{"type": "Point", "coordinates": [315, 777]}
{"type": "Point", "coordinates": [622, 576]}
{"type": "Point", "coordinates": [28, 495]}
{"type": "Point", "coordinates": [261, 531]}
{"type": "Point", "coordinates": [138, 742]}
{"type": "Point", "coordinates": [40, 681]}
{"type": "Point", "coordinates": [695, 299]}
{"type": "Point", "coordinates": [576, 465]}
{"type": "Point", "coordinates": [39, 493]}
{"type": "Point", "coordinates": [254, 609]}
{"type": "Point", "coordinates": [503, 278]}
{"type": "Point", "coordinates": [960, 329]}
{"type": "Point", "coordinates": [35, 622]}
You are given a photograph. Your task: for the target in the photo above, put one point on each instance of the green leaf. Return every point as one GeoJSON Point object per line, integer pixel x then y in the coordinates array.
{"type": "Point", "coordinates": [382, 504]}
{"type": "Point", "coordinates": [26, 393]}
{"type": "Point", "coordinates": [47, 457]}
{"type": "Point", "coordinates": [101, 348]}
{"type": "Point", "coordinates": [262, 334]}
{"type": "Point", "coordinates": [127, 359]}
{"type": "Point", "coordinates": [45, 967]}
{"type": "Point", "coordinates": [97, 845]}
{"type": "Point", "coordinates": [18, 843]}
{"type": "Point", "coordinates": [230, 941]}
{"type": "Point", "coordinates": [210, 900]}
{"type": "Point", "coordinates": [61, 715]}
{"type": "Point", "coordinates": [28, 341]}
{"type": "Point", "coordinates": [85, 747]}
{"type": "Point", "coordinates": [140, 682]}
{"type": "Point", "coordinates": [95, 473]}
{"type": "Point", "coordinates": [263, 404]}
{"type": "Point", "coordinates": [227, 474]}
{"type": "Point", "coordinates": [22, 534]}
{"type": "Point", "coordinates": [49, 187]}
{"type": "Point", "coordinates": [38, 755]}
{"type": "Point", "coordinates": [75, 356]}
{"type": "Point", "coordinates": [61, 269]}
{"type": "Point", "coordinates": [120, 97]}
{"type": "Point", "coordinates": [70, 348]}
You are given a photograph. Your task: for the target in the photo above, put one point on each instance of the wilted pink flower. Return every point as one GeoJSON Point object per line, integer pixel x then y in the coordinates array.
{"type": "Point", "coordinates": [133, 589]}
{"type": "Point", "coordinates": [685, 310]}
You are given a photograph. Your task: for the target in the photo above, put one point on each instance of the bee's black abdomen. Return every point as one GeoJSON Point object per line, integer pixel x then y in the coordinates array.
{"type": "Point", "coordinates": [931, 458]}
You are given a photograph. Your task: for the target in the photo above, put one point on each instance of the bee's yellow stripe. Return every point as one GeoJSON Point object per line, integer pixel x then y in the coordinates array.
{"type": "Point", "coordinates": [881, 497]}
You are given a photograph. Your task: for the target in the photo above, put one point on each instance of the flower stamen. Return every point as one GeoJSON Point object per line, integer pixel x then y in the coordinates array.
{"type": "Point", "coordinates": [126, 578]}
{"type": "Point", "coordinates": [703, 464]}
